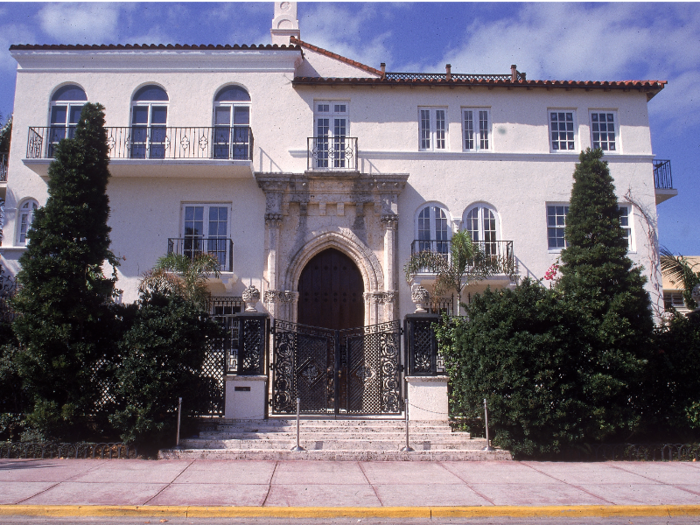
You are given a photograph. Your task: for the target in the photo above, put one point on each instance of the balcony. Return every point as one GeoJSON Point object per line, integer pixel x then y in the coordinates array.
{"type": "Point", "coordinates": [331, 153]}
{"type": "Point", "coordinates": [663, 182]}
{"type": "Point", "coordinates": [144, 151]}
{"type": "Point", "coordinates": [4, 159]}
{"type": "Point", "coordinates": [499, 254]}
{"type": "Point", "coordinates": [191, 247]}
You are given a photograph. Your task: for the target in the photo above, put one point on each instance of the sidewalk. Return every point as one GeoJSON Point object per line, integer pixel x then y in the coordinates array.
{"type": "Point", "coordinates": [211, 488]}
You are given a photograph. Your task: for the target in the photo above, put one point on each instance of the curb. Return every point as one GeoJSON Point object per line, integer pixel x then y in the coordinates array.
{"type": "Point", "coordinates": [577, 511]}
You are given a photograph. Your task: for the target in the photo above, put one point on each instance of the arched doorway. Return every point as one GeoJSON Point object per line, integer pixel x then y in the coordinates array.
{"type": "Point", "coordinates": [331, 292]}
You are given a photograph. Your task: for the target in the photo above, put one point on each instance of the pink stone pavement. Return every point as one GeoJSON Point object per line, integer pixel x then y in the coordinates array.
{"type": "Point", "coordinates": [346, 483]}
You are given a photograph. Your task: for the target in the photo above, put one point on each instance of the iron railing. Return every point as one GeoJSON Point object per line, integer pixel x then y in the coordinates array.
{"type": "Point", "coordinates": [662, 175]}
{"type": "Point", "coordinates": [219, 247]}
{"type": "Point", "coordinates": [4, 159]}
{"type": "Point", "coordinates": [247, 344]}
{"type": "Point", "coordinates": [500, 252]}
{"type": "Point", "coordinates": [421, 345]}
{"type": "Point", "coordinates": [155, 142]}
{"type": "Point", "coordinates": [454, 76]}
{"type": "Point", "coordinates": [331, 153]}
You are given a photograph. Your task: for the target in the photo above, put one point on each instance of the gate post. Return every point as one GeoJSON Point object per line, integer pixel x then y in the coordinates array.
{"type": "Point", "coordinates": [426, 379]}
{"type": "Point", "coordinates": [245, 367]}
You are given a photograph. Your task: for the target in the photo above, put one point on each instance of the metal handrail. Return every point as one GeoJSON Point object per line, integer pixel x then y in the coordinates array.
{"type": "Point", "coordinates": [331, 153]}
{"type": "Point", "coordinates": [662, 175]}
{"type": "Point", "coordinates": [219, 247]}
{"type": "Point", "coordinates": [155, 142]}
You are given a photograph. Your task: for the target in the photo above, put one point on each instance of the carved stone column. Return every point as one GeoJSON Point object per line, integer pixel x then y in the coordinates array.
{"type": "Point", "coordinates": [390, 221]}
{"type": "Point", "coordinates": [272, 225]}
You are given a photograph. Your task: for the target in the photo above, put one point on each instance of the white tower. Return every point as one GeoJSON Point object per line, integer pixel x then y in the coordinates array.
{"type": "Point", "coordinates": [285, 23]}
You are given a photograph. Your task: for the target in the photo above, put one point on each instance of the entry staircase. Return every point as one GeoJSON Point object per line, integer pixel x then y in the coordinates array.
{"type": "Point", "coordinates": [328, 439]}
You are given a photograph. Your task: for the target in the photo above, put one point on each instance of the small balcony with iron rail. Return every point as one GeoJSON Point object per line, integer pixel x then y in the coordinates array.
{"type": "Point", "coordinates": [219, 247]}
{"type": "Point", "coordinates": [329, 153]}
{"type": "Point", "coordinates": [158, 151]}
{"type": "Point", "coordinates": [498, 255]}
{"type": "Point", "coordinates": [663, 182]}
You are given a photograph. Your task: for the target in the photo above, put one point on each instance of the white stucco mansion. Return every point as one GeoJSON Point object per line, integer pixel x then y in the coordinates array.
{"type": "Point", "coordinates": [313, 177]}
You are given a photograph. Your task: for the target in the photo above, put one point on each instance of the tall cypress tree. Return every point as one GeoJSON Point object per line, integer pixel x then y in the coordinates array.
{"type": "Point", "coordinates": [65, 299]}
{"type": "Point", "coordinates": [599, 279]}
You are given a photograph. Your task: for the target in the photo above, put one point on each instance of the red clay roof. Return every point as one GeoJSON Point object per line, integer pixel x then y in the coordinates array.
{"type": "Point", "coordinates": [82, 47]}
{"type": "Point", "coordinates": [650, 86]}
{"type": "Point", "coordinates": [295, 40]}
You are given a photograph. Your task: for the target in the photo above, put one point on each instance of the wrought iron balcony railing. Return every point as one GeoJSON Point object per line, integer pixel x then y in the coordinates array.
{"type": "Point", "coordinates": [662, 175]}
{"type": "Point", "coordinates": [497, 253]}
{"type": "Point", "coordinates": [331, 153]}
{"type": "Point", "coordinates": [219, 247]}
{"type": "Point", "coordinates": [155, 142]}
{"type": "Point", "coordinates": [4, 158]}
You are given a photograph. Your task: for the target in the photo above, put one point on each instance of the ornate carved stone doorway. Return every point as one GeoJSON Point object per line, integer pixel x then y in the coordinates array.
{"type": "Point", "coordinates": [331, 292]}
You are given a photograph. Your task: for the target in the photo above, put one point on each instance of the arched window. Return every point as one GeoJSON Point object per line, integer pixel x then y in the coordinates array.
{"type": "Point", "coordinates": [66, 105]}
{"type": "Point", "coordinates": [481, 223]}
{"type": "Point", "coordinates": [26, 216]}
{"type": "Point", "coordinates": [432, 230]}
{"type": "Point", "coordinates": [149, 115]}
{"type": "Point", "coordinates": [231, 124]}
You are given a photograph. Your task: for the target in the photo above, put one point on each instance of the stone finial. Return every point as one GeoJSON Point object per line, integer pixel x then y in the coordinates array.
{"type": "Point", "coordinates": [419, 296]}
{"type": "Point", "coordinates": [251, 296]}
{"type": "Point", "coordinates": [448, 72]}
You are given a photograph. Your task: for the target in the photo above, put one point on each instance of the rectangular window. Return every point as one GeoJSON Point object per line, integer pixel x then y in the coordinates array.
{"type": "Point", "coordinates": [475, 129]}
{"type": "Point", "coordinates": [625, 223]}
{"type": "Point", "coordinates": [433, 129]}
{"type": "Point", "coordinates": [205, 230]}
{"type": "Point", "coordinates": [673, 300]}
{"type": "Point", "coordinates": [603, 131]}
{"type": "Point", "coordinates": [561, 130]}
{"type": "Point", "coordinates": [556, 222]}
{"type": "Point", "coordinates": [331, 129]}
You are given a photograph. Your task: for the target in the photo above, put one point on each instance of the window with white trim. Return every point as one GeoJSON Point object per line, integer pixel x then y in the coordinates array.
{"type": "Point", "coordinates": [149, 116]}
{"type": "Point", "coordinates": [562, 126]}
{"type": "Point", "coordinates": [331, 129]}
{"type": "Point", "coordinates": [556, 222]}
{"type": "Point", "coordinates": [205, 229]}
{"type": "Point", "coordinates": [25, 219]}
{"type": "Point", "coordinates": [481, 223]}
{"type": "Point", "coordinates": [476, 126]}
{"type": "Point", "coordinates": [66, 105]}
{"type": "Point", "coordinates": [603, 130]}
{"type": "Point", "coordinates": [673, 300]}
{"type": "Point", "coordinates": [232, 124]}
{"type": "Point", "coordinates": [626, 223]}
{"type": "Point", "coordinates": [432, 230]}
{"type": "Point", "coordinates": [432, 123]}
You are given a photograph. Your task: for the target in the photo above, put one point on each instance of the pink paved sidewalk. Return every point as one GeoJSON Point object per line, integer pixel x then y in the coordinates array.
{"type": "Point", "coordinates": [346, 483]}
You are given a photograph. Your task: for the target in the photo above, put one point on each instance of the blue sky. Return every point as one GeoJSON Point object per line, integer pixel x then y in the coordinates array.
{"type": "Point", "coordinates": [599, 41]}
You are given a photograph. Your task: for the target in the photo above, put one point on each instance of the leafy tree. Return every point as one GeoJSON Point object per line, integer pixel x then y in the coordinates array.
{"type": "Point", "coordinates": [183, 275]}
{"type": "Point", "coordinates": [466, 264]}
{"type": "Point", "coordinates": [598, 277]}
{"type": "Point", "coordinates": [67, 317]}
{"type": "Point", "coordinates": [160, 359]}
{"type": "Point", "coordinates": [680, 270]}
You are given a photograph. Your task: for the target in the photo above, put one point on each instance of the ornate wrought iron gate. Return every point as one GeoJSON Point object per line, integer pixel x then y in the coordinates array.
{"type": "Point", "coordinates": [341, 372]}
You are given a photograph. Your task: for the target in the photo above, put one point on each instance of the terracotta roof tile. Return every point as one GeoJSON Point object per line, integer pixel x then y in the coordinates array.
{"type": "Point", "coordinates": [100, 47]}
{"type": "Point", "coordinates": [336, 56]}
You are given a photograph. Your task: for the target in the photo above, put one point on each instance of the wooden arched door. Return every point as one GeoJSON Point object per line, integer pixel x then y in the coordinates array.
{"type": "Point", "coordinates": [331, 292]}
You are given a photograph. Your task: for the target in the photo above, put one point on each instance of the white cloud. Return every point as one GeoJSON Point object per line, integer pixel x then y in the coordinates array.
{"type": "Point", "coordinates": [79, 23]}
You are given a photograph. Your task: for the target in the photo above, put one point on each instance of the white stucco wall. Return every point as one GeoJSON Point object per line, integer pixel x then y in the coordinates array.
{"type": "Point", "coordinates": [517, 177]}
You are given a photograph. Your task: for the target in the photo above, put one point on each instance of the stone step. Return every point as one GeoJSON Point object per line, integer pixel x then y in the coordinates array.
{"type": "Point", "coordinates": [338, 455]}
{"type": "Point", "coordinates": [331, 444]}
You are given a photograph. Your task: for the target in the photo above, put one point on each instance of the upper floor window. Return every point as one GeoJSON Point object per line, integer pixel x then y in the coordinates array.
{"type": "Point", "coordinates": [432, 230]}
{"type": "Point", "coordinates": [26, 217]}
{"type": "Point", "coordinates": [205, 230]}
{"type": "Point", "coordinates": [232, 124]}
{"type": "Point", "coordinates": [66, 105]}
{"type": "Point", "coordinates": [475, 129]}
{"type": "Point", "coordinates": [562, 130]}
{"type": "Point", "coordinates": [331, 130]}
{"type": "Point", "coordinates": [556, 222]}
{"type": "Point", "coordinates": [149, 116]}
{"type": "Point", "coordinates": [432, 129]}
{"type": "Point", "coordinates": [480, 222]}
{"type": "Point", "coordinates": [603, 130]}
{"type": "Point", "coordinates": [626, 224]}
